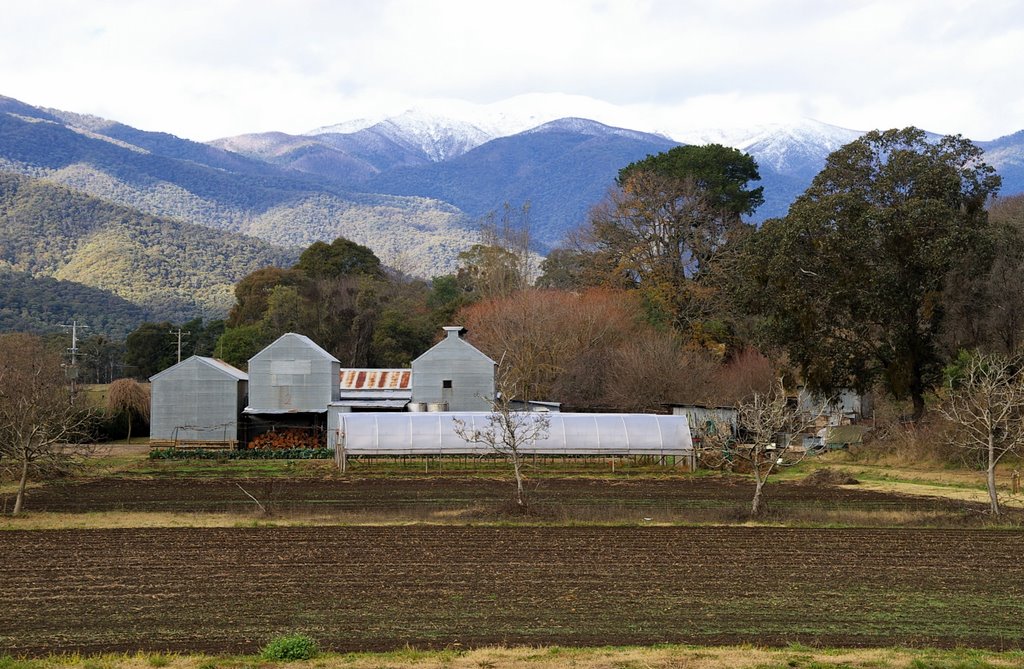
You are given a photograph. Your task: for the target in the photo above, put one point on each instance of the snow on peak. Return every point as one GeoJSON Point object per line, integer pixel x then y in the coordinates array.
{"type": "Point", "coordinates": [446, 128]}
{"type": "Point", "coordinates": [439, 137]}
{"type": "Point", "coordinates": [346, 127]}
{"type": "Point", "coordinates": [782, 146]}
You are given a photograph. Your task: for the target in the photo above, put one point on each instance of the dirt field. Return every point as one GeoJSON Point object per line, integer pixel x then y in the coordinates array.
{"type": "Point", "coordinates": [692, 499]}
{"type": "Point", "coordinates": [229, 590]}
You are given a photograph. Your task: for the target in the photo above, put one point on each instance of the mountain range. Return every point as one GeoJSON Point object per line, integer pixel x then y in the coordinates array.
{"type": "Point", "coordinates": [411, 186]}
{"type": "Point", "coordinates": [481, 157]}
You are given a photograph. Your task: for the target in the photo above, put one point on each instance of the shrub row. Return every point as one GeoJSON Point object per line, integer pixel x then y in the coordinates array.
{"type": "Point", "coordinates": [281, 454]}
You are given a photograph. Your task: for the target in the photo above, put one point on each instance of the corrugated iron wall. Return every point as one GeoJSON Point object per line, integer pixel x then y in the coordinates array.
{"type": "Point", "coordinates": [292, 375]}
{"type": "Point", "coordinates": [195, 402]}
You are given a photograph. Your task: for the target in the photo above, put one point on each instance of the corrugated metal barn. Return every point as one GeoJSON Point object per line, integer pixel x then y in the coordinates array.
{"type": "Point", "coordinates": [848, 406]}
{"type": "Point", "coordinates": [197, 400]}
{"type": "Point", "coordinates": [453, 375]}
{"type": "Point", "coordinates": [428, 434]}
{"type": "Point", "coordinates": [292, 375]}
{"type": "Point", "coordinates": [291, 382]}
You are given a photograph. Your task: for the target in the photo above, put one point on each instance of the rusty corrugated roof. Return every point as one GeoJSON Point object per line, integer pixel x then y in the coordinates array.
{"type": "Point", "coordinates": [376, 379]}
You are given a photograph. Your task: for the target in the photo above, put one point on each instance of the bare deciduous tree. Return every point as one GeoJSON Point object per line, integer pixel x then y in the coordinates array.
{"type": "Point", "coordinates": [131, 397]}
{"type": "Point", "coordinates": [508, 432]}
{"type": "Point", "coordinates": [986, 401]}
{"type": "Point", "coordinates": [39, 427]}
{"type": "Point", "coordinates": [763, 420]}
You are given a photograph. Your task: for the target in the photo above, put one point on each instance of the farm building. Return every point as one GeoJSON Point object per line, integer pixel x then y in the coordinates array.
{"type": "Point", "coordinates": [705, 420]}
{"type": "Point", "coordinates": [847, 407]}
{"type": "Point", "coordinates": [197, 400]}
{"type": "Point", "coordinates": [454, 375]}
{"type": "Point", "coordinates": [292, 375]}
{"type": "Point", "coordinates": [428, 434]}
{"type": "Point", "coordinates": [291, 382]}
{"type": "Point", "coordinates": [374, 390]}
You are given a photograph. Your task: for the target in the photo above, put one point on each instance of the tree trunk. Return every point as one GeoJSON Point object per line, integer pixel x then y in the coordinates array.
{"type": "Point", "coordinates": [991, 477]}
{"type": "Point", "coordinates": [755, 506]}
{"type": "Point", "coordinates": [918, 398]}
{"type": "Point", "coordinates": [20, 498]}
{"type": "Point", "coordinates": [129, 427]}
{"type": "Point", "coordinates": [520, 500]}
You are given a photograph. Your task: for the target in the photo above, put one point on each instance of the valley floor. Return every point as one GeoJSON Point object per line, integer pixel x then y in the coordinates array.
{"type": "Point", "coordinates": [162, 557]}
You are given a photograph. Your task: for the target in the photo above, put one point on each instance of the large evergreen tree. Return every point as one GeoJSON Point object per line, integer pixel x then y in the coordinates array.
{"type": "Point", "coordinates": [852, 281]}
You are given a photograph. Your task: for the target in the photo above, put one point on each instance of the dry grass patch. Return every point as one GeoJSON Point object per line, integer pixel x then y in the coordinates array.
{"type": "Point", "coordinates": [669, 657]}
{"type": "Point", "coordinates": [129, 519]}
{"type": "Point", "coordinates": [948, 492]}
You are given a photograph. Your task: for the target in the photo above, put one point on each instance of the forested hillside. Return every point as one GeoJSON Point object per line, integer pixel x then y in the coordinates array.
{"type": "Point", "coordinates": [42, 304]}
{"type": "Point", "coordinates": [172, 270]}
{"type": "Point", "coordinates": [165, 176]}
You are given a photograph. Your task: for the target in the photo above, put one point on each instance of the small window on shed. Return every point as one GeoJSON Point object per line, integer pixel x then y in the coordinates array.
{"type": "Point", "coordinates": [447, 383]}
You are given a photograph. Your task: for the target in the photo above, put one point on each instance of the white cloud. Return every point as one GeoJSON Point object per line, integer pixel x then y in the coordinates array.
{"type": "Point", "coordinates": [208, 68]}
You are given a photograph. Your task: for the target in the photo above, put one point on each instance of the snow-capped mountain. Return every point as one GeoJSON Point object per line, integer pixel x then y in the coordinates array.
{"type": "Point", "coordinates": [438, 137]}
{"type": "Point", "coordinates": [788, 148]}
{"type": "Point", "coordinates": [583, 126]}
{"type": "Point", "coordinates": [479, 156]}
{"type": "Point", "coordinates": [444, 129]}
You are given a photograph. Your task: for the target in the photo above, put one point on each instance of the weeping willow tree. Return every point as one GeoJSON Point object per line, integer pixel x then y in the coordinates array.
{"type": "Point", "coordinates": [131, 398]}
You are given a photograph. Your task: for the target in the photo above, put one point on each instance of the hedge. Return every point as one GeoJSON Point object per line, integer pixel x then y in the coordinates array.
{"type": "Point", "coordinates": [224, 454]}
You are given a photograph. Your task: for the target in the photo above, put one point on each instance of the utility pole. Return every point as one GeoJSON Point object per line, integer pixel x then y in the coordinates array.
{"type": "Point", "coordinates": [179, 333]}
{"type": "Point", "coordinates": [73, 370]}
{"type": "Point", "coordinates": [74, 340]}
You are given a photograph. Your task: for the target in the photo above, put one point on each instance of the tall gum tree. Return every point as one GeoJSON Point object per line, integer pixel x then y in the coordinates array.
{"type": "Point", "coordinates": [661, 229]}
{"type": "Point", "coordinates": [852, 281]}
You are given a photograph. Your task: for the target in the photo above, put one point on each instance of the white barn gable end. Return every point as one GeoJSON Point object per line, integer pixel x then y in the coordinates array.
{"type": "Point", "coordinates": [454, 374]}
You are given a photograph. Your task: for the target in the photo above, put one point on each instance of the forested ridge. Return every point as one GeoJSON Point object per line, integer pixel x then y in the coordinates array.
{"type": "Point", "coordinates": [42, 304]}
{"type": "Point", "coordinates": [169, 269]}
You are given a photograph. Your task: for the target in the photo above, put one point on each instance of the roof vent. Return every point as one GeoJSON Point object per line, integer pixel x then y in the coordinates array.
{"type": "Point", "coordinates": [455, 331]}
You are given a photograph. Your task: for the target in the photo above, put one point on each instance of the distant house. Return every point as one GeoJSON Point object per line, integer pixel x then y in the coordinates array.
{"type": "Point", "coordinates": [454, 375]}
{"type": "Point", "coordinates": [197, 401]}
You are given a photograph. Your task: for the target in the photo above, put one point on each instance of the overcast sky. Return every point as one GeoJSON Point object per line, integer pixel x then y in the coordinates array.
{"type": "Point", "coordinates": [212, 68]}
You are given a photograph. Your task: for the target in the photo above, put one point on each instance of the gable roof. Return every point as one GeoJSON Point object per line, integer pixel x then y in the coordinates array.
{"type": "Point", "coordinates": [304, 341]}
{"type": "Point", "coordinates": [454, 338]}
{"type": "Point", "coordinates": [219, 365]}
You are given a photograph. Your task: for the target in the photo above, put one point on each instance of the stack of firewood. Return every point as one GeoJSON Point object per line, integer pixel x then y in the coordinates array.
{"type": "Point", "coordinates": [285, 440]}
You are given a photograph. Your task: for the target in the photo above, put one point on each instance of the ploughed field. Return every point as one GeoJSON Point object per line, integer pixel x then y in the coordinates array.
{"type": "Point", "coordinates": [684, 499]}
{"type": "Point", "coordinates": [380, 587]}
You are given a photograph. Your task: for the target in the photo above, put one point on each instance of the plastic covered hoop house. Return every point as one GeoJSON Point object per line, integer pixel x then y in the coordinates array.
{"type": "Point", "coordinates": [568, 434]}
